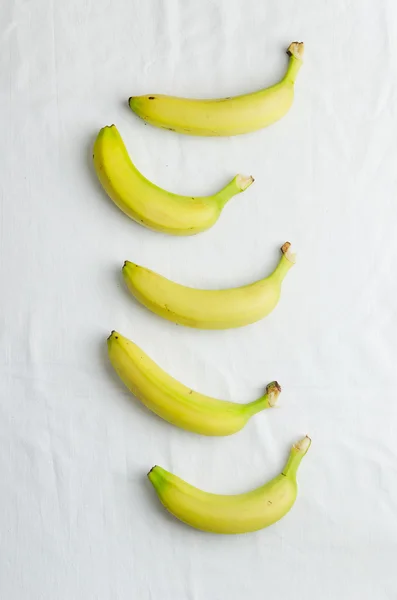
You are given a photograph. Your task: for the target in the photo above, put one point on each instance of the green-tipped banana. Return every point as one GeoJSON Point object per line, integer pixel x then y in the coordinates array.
{"type": "Point", "coordinates": [240, 513]}
{"type": "Point", "coordinates": [175, 402]}
{"type": "Point", "coordinates": [149, 204]}
{"type": "Point", "coordinates": [208, 309]}
{"type": "Point", "coordinates": [223, 116]}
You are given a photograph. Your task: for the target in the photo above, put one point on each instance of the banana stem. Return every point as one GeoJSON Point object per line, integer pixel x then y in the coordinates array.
{"type": "Point", "coordinates": [287, 261]}
{"type": "Point", "coordinates": [298, 451]}
{"type": "Point", "coordinates": [268, 400]}
{"type": "Point", "coordinates": [295, 52]}
{"type": "Point", "coordinates": [235, 186]}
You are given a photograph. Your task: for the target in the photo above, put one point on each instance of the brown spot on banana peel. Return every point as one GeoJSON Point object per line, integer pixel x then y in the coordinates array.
{"type": "Point", "coordinates": [171, 312]}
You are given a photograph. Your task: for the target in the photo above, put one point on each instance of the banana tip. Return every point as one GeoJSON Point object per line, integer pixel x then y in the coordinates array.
{"type": "Point", "coordinates": [303, 445]}
{"type": "Point", "coordinates": [273, 391]}
{"type": "Point", "coordinates": [289, 255]}
{"type": "Point", "coordinates": [244, 181]}
{"type": "Point", "coordinates": [128, 265]}
{"type": "Point", "coordinates": [296, 49]}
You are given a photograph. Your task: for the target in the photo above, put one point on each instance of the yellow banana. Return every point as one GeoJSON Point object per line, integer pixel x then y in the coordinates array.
{"type": "Point", "coordinates": [149, 204]}
{"type": "Point", "coordinates": [240, 513]}
{"type": "Point", "coordinates": [223, 116]}
{"type": "Point", "coordinates": [175, 402]}
{"type": "Point", "coordinates": [208, 309]}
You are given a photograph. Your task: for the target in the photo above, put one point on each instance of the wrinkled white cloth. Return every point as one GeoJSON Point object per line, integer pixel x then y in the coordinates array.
{"type": "Point", "coordinates": [78, 519]}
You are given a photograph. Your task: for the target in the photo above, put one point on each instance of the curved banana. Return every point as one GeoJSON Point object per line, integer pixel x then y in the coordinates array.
{"type": "Point", "coordinates": [149, 204]}
{"type": "Point", "coordinates": [208, 309]}
{"type": "Point", "coordinates": [240, 513]}
{"type": "Point", "coordinates": [175, 402]}
{"type": "Point", "coordinates": [223, 116]}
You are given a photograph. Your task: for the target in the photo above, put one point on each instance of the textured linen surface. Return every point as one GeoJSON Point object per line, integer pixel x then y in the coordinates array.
{"type": "Point", "coordinates": [78, 518]}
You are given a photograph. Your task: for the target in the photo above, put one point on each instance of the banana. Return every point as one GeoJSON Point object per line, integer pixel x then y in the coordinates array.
{"type": "Point", "coordinates": [208, 309]}
{"type": "Point", "coordinates": [223, 116]}
{"type": "Point", "coordinates": [239, 513]}
{"type": "Point", "coordinates": [175, 402]}
{"type": "Point", "coordinates": [149, 204]}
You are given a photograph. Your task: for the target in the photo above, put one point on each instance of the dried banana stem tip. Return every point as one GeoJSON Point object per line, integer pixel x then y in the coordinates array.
{"type": "Point", "coordinates": [296, 49]}
{"type": "Point", "coordinates": [273, 390]}
{"type": "Point", "coordinates": [289, 255]}
{"type": "Point", "coordinates": [303, 445]}
{"type": "Point", "coordinates": [244, 181]}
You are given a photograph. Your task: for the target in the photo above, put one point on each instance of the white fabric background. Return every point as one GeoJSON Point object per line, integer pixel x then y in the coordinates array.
{"type": "Point", "coordinates": [78, 519]}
